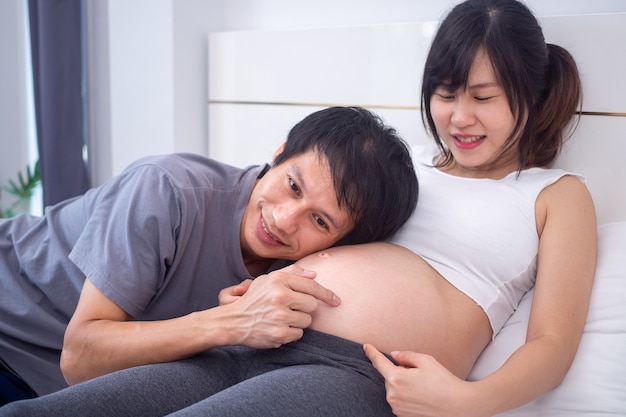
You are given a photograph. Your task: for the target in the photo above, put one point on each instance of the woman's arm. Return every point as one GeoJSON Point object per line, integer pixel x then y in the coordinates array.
{"type": "Point", "coordinates": [566, 264]}
{"type": "Point", "coordinates": [565, 269]}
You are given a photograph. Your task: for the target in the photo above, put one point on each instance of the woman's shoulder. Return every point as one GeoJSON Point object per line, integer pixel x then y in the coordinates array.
{"type": "Point", "coordinates": [566, 198]}
{"type": "Point", "coordinates": [566, 187]}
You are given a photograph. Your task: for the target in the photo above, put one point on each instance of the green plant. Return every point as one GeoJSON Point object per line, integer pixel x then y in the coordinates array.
{"type": "Point", "coordinates": [22, 190]}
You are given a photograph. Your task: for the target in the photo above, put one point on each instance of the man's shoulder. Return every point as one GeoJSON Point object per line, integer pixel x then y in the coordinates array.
{"type": "Point", "coordinates": [188, 170]}
{"type": "Point", "coordinates": [178, 162]}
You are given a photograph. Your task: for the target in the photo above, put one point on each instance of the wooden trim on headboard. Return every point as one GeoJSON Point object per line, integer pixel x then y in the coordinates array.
{"type": "Point", "coordinates": [311, 104]}
{"type": "Point", "coordinates": [602, 113]}
{"type": "Point", "coordinates": [376, 106]}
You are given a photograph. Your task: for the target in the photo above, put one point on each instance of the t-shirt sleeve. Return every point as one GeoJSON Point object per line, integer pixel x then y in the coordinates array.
{"type": "Point", "coordinates": [130, 237]}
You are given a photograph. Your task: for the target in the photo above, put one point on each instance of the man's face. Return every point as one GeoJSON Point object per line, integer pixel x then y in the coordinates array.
{"type": "Point", "coordinates": [293, 211]}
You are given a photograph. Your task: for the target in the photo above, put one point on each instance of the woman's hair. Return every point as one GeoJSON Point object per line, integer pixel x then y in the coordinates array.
{"type": "Point", "coordinates": [540, 80]}
{"type": "Point", "coordinates": [370, 165]}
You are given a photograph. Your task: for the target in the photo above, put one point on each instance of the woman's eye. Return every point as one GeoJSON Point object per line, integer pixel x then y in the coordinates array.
{"type": "Point", "coordinates": [483, 98]}
{"type": "Point", "coordinates": [294, 186]}
{"type": "Point", "coordinates": [443, 96]}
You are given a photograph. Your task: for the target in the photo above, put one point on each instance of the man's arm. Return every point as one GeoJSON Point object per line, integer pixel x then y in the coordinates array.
{"type": "Point", "coordinates": [101, 337]}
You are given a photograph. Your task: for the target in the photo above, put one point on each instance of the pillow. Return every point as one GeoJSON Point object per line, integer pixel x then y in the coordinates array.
{"type": "Point", "coordinates": [595, 385]}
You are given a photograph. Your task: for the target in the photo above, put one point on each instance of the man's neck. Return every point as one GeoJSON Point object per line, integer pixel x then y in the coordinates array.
{"type": "Point", "coordinates": [257, 267]}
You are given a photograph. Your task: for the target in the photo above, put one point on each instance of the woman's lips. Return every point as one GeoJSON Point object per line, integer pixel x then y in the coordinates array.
{"type": "Point", "coordinates": [468, 141]}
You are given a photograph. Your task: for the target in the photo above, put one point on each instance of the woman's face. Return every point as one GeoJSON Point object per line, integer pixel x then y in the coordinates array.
{"type": "Point", "coordinates": [474, 122]}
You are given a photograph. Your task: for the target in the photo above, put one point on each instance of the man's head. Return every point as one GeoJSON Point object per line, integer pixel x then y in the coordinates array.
{"type": "Point", "coordinates": [342, 176]}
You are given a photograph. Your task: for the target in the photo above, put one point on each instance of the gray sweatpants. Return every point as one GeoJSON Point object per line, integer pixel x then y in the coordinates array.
{"type": "Point", "coordinates": [318, 375]}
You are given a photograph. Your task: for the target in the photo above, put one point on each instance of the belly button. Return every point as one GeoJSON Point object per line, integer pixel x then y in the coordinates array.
{"type": "Point", "coordinates": [323, 255]}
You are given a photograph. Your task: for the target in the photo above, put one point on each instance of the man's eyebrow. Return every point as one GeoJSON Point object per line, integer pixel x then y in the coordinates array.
{"type": "Point", "coordinates": [303, 186]}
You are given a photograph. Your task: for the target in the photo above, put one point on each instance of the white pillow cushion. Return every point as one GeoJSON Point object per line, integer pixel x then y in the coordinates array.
{"type": "Point", "coordinates": [595, 385]}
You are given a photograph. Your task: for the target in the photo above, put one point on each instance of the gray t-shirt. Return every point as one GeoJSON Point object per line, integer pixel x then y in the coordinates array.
{"type": "Point", "coordinates": [160, 240]}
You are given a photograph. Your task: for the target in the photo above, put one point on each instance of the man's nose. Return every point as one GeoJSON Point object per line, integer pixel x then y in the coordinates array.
{"type": "Point", "coordinates": [288, 216]}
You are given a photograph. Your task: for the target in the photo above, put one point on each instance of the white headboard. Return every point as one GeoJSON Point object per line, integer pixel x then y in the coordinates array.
{"type": "Point", "coordinates": [263, 82]}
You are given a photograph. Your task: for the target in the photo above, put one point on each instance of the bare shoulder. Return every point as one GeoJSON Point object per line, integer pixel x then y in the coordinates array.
{"type": "Point", "coordinates": [568, 186]}
{"type": "Point", "coordinates": [566, 200]}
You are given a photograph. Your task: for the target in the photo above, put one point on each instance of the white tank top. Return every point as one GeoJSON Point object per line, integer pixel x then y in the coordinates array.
{"type": "Point", "coordinates": [480, 234]}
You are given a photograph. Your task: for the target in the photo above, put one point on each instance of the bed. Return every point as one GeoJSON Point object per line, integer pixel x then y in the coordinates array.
{"type": "Point", "coordinates": [263, 82]}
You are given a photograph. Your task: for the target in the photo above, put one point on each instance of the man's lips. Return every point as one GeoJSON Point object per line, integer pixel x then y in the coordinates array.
{"type": "Point", "coordinates": [266, 234]}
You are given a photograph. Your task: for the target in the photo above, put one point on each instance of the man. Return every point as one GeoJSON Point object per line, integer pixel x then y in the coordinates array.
{"type": "Point", "coordinates": [129, 273]}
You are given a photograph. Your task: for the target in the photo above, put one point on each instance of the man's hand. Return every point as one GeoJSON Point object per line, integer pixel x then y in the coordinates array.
{"type": "Point", "coordinates": [274, 309]}
{"type": "Point", "coordinates": [232, 294]}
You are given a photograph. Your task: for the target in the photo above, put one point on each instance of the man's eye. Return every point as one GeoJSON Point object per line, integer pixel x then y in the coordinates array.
{"type": "Point", "coordinates": [294, 186]}
{"type": "Point", "coordinates": [321, 222]}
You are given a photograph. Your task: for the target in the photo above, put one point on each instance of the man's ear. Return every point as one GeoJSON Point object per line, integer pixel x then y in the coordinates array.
{"type": "Point", "coordinates": [278, 151]}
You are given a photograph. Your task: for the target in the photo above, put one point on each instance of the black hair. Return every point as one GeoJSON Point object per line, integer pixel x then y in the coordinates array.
{"type": "Point", "coordinates": [370, 165]}
{"type": "Point", "coordinates": [540, 80]}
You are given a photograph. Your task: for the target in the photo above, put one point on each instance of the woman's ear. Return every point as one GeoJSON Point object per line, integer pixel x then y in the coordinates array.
{"type": "Point", "coordinates": [278, 151]}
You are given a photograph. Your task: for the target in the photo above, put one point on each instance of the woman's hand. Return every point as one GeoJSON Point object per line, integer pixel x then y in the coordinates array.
{"type": "Point", "coordinates": [421, 386]}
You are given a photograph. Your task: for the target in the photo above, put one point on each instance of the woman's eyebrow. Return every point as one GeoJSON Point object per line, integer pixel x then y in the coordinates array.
{"type": "Point", "coordinates": [486, 84]}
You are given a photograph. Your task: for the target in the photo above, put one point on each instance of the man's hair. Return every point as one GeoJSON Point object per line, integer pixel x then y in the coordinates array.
{"type": "Point", "coordinates": [370, 165]}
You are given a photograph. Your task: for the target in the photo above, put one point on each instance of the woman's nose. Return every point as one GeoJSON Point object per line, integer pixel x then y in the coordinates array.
{"type": "Point", "coordinates": [463, 114]}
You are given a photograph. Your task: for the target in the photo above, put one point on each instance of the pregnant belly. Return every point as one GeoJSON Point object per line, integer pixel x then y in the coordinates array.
{"type": "Point", "coordinates": [393, 299]}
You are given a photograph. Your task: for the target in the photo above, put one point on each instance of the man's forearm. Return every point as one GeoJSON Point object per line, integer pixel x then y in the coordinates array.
{"type": "Point", "coordinates": [102, 346]}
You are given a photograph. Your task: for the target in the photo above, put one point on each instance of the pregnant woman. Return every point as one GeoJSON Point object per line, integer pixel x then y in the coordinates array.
{"type": "Point", "coordinates": [492, 221]}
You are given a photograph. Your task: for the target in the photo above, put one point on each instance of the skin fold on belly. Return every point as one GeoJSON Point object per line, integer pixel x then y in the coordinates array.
{"type": "Point", "coordinates": [393, 299]}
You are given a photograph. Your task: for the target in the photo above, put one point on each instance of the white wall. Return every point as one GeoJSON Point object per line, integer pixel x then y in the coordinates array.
{"type": "Point", "coordinates": [131, 87]}
{"type": "Point", "coordinates": [293, 14]}
{"type": "Point", "coordinates": [15, 130]}
{"type": "Point", "coordinates": [192, 19]}
{"type": "Point", "coordinates": [147, 60]}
